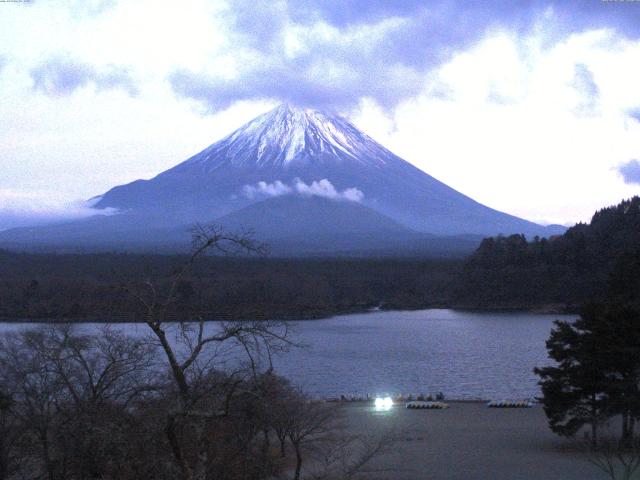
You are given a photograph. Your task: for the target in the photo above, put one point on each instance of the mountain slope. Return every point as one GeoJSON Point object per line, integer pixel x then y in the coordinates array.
{"type": "Point", "coordinates": [263, 173]}
{"type": "Point", "coordinates": [286, 217]}
{"type": "Point", "coordinates": [290, 144]}
{"type": "Point", "coordinates": [290, 226]}
{"type": "Point", "coordinates": [319, 226]}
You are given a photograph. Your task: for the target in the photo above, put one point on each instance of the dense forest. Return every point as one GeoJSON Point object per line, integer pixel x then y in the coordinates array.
{"type": "Point", "coordinates": [102, 287]}
{"type": "Point", "coordinates": [555, 274]}
{"type": "Point", "coordinates": [589, 261]}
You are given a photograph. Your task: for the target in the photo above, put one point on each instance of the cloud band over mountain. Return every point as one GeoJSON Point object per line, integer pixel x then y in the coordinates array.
{"type": "Point", "coordinates": [320, 188]}
{"type": "Point", "coordinates": [17, 210]}
{"type": "Point", "coordinates": [380, 50]}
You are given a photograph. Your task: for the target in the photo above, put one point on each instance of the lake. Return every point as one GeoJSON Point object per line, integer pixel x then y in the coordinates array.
{"type": "Point", "coordinates": [465, 355]}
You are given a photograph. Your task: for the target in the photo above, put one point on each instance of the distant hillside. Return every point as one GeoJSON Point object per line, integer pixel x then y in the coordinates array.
{"type": "Point", "coordinates": [292, 226]}
{"type": "Point", "coordinates": [585, 263]}
{"type": "Point", "coordinates": [298, 226]}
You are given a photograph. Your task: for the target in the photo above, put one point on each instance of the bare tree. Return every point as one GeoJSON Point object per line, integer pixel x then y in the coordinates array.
{"type": "Point", "coordinates": [10, 434]}
{"type": "Point", "coordinates": [101, 368]}
{"type": "Point", "coordinates": [36, 391]}
{"type": "Point", "coordinates": [195, 408]}
{"type": "Point", "coordinates": [309, 422]}
{"type": "Point", "coordinates": [278, 396]}
{"type": "Point", "coordinates": [318, 437]}
{"type": "Point", "coordinates": [101, 375]}
{"type": "Point", "coordinates": [349, 456]}
{"type": "Point", "coordinates": [70, 395]}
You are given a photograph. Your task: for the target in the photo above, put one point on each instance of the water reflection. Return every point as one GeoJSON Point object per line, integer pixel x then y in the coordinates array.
{"type": "Point", "coordinates": [463, 354]}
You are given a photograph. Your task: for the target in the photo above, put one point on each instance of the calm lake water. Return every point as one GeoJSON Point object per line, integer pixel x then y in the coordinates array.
{"type": "Point", "coordinates": [462, 354]}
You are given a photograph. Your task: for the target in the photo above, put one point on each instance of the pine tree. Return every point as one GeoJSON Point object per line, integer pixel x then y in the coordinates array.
{"type": "Point", "coordinates": [574, 390]}
{"type": "Point", "coordinates": [597, 375]}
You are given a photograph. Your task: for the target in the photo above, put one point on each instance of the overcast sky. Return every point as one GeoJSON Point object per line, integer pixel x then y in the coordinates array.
{"type": "Point", "coordinates": [530, 107]}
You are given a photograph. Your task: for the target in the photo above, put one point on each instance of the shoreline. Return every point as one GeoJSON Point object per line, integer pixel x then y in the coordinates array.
{"type": "Point", "coordinates": [293, 317]}
{"type": "Point", "coordinates": [401, 403]}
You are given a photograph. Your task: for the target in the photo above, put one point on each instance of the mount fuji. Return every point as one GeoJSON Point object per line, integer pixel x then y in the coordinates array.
{"type": "Point", "coordinates": [302, 179]}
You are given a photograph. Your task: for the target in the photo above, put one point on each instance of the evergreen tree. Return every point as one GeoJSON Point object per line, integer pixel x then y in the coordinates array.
{"type": "Point", "coordinates": [597, 375]}
{"type": "Point", "coordinates": [574, 390]}
{"type": "Point", "coordinates": [617, 329]}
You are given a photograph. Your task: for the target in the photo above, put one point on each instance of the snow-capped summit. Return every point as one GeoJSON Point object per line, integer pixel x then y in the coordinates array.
{"type": "Point", "coordinates": [289, 134]}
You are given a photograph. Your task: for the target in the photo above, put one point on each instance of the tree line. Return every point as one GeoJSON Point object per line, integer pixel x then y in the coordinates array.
{"type": "Point", "coordinates": [50, 287]}
{"type": "Point", "coordinates": [599, 260]}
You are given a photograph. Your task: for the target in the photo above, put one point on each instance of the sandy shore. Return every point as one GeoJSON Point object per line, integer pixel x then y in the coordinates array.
{"type": "Point", "coordinates": [469, 441]}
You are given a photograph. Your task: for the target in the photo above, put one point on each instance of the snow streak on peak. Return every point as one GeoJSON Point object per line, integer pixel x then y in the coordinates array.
{"type": "Point", "coordinates": [288, 135]}
{"type": "Point", "coordinates": [286, 132]}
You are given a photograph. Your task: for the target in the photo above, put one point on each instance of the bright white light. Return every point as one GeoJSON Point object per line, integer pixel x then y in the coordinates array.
{"type": "Point", "coordinates": [383, 403]}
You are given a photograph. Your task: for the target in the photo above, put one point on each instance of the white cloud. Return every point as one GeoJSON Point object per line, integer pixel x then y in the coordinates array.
{"type": "Point", "coordinates": [505, 123]}
{"type": "Point", "coordinates": [319, 188]}
{"type": "Point", "coordinates": [630, 171]}
{"type": "Point", "coordinates": [274, 189]}
{"type": "Point", "coordinates": [324, 188]}
{"type": "Point", "coordinates": [18, 209]}
{"type": "Point", "coordinates": [353, 195]}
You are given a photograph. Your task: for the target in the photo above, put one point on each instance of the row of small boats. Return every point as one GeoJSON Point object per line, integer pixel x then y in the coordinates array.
{"type": "Point", "coordinates": [396, 399]}
{"type": "Point", "coordinates": [419, 404]}
{"type": "Point", "coordinates": [430, 402]}
{"type": "Point", "coordinates": [510, 404]}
